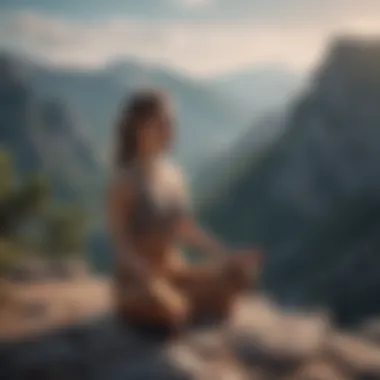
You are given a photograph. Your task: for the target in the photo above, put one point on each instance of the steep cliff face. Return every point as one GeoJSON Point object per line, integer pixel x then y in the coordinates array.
{"type": "Point", "coordinates": [312, 199]}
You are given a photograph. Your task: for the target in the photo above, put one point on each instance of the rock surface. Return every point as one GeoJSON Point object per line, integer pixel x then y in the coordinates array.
{"type": "Point", "coordinates": [260, 342]}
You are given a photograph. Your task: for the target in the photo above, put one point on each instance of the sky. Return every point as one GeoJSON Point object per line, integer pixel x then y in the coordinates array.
{"type": "Point", "coordinates": [199, 37]}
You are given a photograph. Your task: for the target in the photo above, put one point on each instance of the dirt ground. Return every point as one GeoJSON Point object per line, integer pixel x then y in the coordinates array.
{"type": "Point", "coordinates": [32, 308]}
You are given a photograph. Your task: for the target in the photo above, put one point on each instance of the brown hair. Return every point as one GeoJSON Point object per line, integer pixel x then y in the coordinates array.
{"type": "Point", "coordinates": [141, 106]}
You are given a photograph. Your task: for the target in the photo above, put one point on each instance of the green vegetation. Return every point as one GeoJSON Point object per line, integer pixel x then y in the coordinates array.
{"type": "Point", "coordinates": [65, 231]}
{"type": "Point", "coordinates": [17, 203]}
{"type": "Point", "coordinates": [60, 228]}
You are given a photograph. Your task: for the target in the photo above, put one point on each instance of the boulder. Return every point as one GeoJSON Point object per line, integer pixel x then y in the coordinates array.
{"type": "Point", "coordinates": [370, 330]}
{"type": "Point", "coordinates": [262, 334]}
{"type": "Point", "coordinates": [321, 370]}
{"type": "Point", "coordinates": [358, 355]}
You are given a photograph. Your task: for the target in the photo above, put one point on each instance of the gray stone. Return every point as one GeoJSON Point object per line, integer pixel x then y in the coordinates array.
{"type": "Point", "coordinates": [262, 334]}
{"type": "Point", "coordinates": [356, 354]}
{"type": "Point", "coordinates": [371, 331]}
{"type": "Point", "coordinates": [321, 370]}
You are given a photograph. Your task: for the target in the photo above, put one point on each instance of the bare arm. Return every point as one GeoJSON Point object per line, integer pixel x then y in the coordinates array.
{"type": "Point", "coordinates": [196, 237]}
{"type": "Point", "coordinates": [189, 231]}
{"type": "Point", "coordinates": [120, 200]}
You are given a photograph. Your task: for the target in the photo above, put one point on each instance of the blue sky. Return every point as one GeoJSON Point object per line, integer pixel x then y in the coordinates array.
{"type": "Point", "coordinates": [201, 37]}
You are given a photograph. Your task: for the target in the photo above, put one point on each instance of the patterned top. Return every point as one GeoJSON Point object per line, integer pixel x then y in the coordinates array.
{"type": "Point", "coordinates": [161, 197]}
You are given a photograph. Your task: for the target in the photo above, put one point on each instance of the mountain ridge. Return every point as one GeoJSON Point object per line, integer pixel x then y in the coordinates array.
{"type": "Point", "coordinates": [208, 116]}
{"type": "Point", "coordinates": [305, 202]}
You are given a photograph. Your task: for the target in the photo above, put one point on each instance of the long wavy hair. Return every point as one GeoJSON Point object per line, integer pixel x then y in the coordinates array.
{"type": "Point", "coordinates": [140, 107]}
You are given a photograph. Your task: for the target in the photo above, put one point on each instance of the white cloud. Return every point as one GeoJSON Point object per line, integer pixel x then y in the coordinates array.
{"type": "Point", "coordinates": [199, 48]}
{"type": "Point", "coordinates": [194, 4]}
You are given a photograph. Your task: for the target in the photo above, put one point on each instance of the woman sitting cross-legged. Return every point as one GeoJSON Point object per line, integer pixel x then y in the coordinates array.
{"type": "Point", "coordinates": [148, 217]}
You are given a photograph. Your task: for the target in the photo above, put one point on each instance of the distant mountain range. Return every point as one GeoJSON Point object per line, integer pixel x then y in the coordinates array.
{"type": "Point", "coordinates": [311, 200]}
{"type": "Point", "coordinates": [95, 97]}
{"type": "Point", "coordinates": [210, 115]}
{"type": "Point", "coordinates": [260, 89]}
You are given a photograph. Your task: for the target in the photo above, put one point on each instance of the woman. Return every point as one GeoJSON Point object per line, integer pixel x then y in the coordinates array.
{"type": "Point", "coordinates": [148, 216]}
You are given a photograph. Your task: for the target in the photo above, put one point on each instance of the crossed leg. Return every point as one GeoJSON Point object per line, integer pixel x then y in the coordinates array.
{"type": "Point", "coordinates": [209, 292]}
{"type": "Point", "coordinates": [212, 292]}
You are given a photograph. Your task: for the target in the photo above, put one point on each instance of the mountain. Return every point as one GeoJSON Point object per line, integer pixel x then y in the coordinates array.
{"type": "Point", "coordinates": [260, 88]}
{"type": "Point", "coordinates": [224, 168]}
{"type": "Point", "coordinates": [211, 113]}
{"type": "Point", "coordinates": [205, 119]}
{"type": "Point", "coordinates": [311, 200]}
{"type": "Point", "coordinates": [44, 136]}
